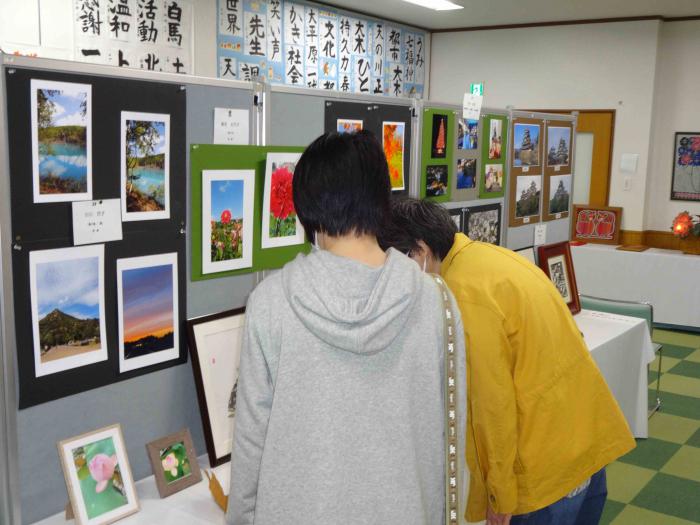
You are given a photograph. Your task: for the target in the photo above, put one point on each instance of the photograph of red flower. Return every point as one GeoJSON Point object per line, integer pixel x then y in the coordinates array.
{"type": "Point", "coordinates": [281, 226]}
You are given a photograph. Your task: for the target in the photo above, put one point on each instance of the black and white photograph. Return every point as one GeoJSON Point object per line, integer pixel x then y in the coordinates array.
{"type": "Point", "coordinates": [483, 223]}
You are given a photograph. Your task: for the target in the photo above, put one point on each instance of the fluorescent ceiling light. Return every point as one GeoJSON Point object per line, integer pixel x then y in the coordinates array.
{"type": "Point", "coordinates": [437, 5]}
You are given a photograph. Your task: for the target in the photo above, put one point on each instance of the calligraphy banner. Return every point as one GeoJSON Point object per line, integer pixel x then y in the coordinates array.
{"type": "Point", "coordinates": [301, 44]}
{"type": "Point", "coordinates": [156, 35]}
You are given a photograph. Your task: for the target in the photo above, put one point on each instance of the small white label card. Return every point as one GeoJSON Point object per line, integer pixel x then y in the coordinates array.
{"type": "Point", "coordinates": [97, 221]}
{"type": "Point", "coordinates": [231, 126]}
{"type": "Point", "coordinates": [540, 234]}
{"type": "Point", "coordinates": [526, 169]}
{"type": "Point", "coordinates": [471, 106]}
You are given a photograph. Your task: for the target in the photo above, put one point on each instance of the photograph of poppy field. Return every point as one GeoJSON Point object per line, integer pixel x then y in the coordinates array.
{"type": "Point", "coordinates": [283, 217]}
{"type": "Point", "coordinates": [226, 220]}
{"type": "Point", "coordinates": [393, 142]}
{"type": "Point", "coordinates": [148, 310]}
{"type": "Point", "coordinates": [145, 165]}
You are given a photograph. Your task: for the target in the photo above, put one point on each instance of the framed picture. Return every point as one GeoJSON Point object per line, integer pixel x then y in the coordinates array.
{"type": "Point", "coordinates": [440, 132]}
{"type": "Point", "coordinates": [495, 139]}
{"type": "Point", "coordinates": [555, 261]}
{"type": "Point", "coordinates": [596, 224]}
{"type": "Point", "coordinates": [685, 182]}
{"type": "Point", "coordinates": [147, 306]}
{"type": "Point", "coordinates": [436, 180]}
{"type": "Point", "coordinates": [67, 291]}
{"type": "Point", "coordinates": [528, 253]}
{"type": "Point", "coordinates": [345, 125]}
{"type": "Point", "coordinates": [393, 134]}
{"type": "Point", "coordinates": [227, 219]}
{"type": "Point", "coordinates": [280, 224]}
{"type": "Point", "coordinates": [98, 477]}
{"type": "Point", "coordinates": [215, 344]}
{"type": "Point", "coordinates": [526, 144]}
{"type": "Point", "coordinates": [483, 223]}
{"type": "Point", "coordinates": [557, 192]}
{"type": "Point", "coordinates": [526, 197]}
{"type": "Point", "coordinates": [61, 140]}
{"type": "Point", "coordinates": [174, 462]}
{"type": "Point", "coordinates": [458, 216]}
{"type": "Point", "coordinates": [145, 166]}
{"type": "Point", "coordinates": [467, 133]}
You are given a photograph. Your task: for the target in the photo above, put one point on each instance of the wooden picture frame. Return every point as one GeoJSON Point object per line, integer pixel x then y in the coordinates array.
{"type": "Point", "coordinates": [555, 261]}
{"type": "Point", "coordinates": [174, 452]}
{"type": "Point", "coordinates": [685, 173]}
{"type": "Point", "coordinates": [528, 253]}
{"type": "Point", "coordinates": [596, 224]}
{"type": "Point", "coordinates": [215, 345]}
{"type": "Point", "coordinates": [95, 466]}
{"type": "Point", "coordinates": [471, 212]}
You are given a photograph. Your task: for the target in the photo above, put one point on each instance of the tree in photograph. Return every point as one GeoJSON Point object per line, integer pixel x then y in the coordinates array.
{"type": "Point", "coordinates": [440, 141]}
{"type": "Point", "coordinates": [45, 107]}
{"type": "Point", "coordinates": [141, 139]}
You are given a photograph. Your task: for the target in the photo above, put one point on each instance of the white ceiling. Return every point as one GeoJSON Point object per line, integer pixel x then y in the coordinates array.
{"type": "Point", "coordinates": [499, 12]}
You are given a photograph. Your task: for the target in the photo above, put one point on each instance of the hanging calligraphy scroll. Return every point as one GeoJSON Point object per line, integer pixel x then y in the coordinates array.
{"type": "Point", "coordinates": [304, 45]}
{"type": "Point", "coordinates": [156, 35]}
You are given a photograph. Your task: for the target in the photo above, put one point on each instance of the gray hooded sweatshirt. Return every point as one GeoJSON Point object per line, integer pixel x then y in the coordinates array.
{"type": "Point", "coordinates": [340, 414]}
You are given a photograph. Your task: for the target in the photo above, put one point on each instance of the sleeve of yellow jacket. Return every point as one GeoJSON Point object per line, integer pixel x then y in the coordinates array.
{"type": "Point", "coordinates": [493, 417]}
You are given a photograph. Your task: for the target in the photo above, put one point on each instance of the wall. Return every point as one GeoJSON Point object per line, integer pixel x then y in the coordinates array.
{"type": "Point", "coordinates": [596, 66]}
{"type": "Point", "coordinates": [677, 84]}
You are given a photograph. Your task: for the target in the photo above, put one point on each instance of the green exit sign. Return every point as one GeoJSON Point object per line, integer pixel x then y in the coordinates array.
{"type": "Point", "coordinates": [477, 89]}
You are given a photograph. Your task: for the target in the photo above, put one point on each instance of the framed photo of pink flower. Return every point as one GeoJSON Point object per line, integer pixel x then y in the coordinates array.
{"type": "Point", "coordinates": [280, 224]}
{"type": "Point", "coordinates": [98, 476]}
{"type": "Point", "coordinates": [227, 219]}
{"type": "Point", "coordinates": [174, 462]}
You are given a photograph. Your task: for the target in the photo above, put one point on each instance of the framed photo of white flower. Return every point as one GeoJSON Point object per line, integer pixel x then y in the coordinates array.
{"type": "Point", "coordinates": [98, 476]}
{"type": "Point", "coordinates": [280, 224]}
{"type": "Point", "coordinates": [174, 462]}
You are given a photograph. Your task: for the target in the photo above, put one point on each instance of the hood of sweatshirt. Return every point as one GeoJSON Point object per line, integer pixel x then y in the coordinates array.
{"type": "Point", "coordinates": [350, 305]}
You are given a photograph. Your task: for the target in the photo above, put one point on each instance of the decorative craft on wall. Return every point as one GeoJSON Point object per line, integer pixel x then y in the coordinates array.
{"type": "Point", "coordinates": [493, 156]}
{"type": "Point", "coordinates": [526, 168]}
{"type": "Point", "coordinates": [174, 463]}
{"type": "Point", "coordinates": [555, 260]}
{"type": "Point", "coordinates": [305, 45]}
{"type": "Point", "coordinates": [98, 476]}
{"type": "Point", "coordinates": [227, 185]}
{"type": "Point", "coordinates": [61, 119]}
{"type": "Point", "coordinates": [215, 344]}
{"type": "Point", "coordinates": [557, 172]}
{"type": "Point", "coordinates": [145, 166]}
{"type": "Point", "coordinates": [437, 154]}
{"type": "Point", "coordinates": [280, 224]}
{"type": "Point", "coordinates": [685, 180]}
{"type": "Point", "coordinates": [483, 223]}
{"type": "Point", "coordinates": [596, 224]}
{"type": "Point", "coordinates": [465, 183]}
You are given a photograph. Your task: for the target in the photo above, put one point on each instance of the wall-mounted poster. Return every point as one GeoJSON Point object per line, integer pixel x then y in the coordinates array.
{"type": "Point", "coordinates": [596, 224]}
{"type": "Point", "coordinates": [493, 179]}
{"type": "Point", "coordinates": [467, 133]}
{"type": "Point", "coordinates": [483, 223]}
{"type": "Point", "coordinates": [227, 219]}
{"type": "Point", "coordinates": [148, 310]}
{"type": "Point", "coordinates": [466, 174]}
{"type": "Point", "coordinates": [280, 224]}
{"type": "Point", "coordinates": [526, 145]}
{"type": "Point", "coordinates": [435, 181]}
{"type": "Point", "coordinates": [344, 125]}
{"type": "Point", "coordinates": [495, 139]}
{"type": "Point", "coordinates": [68, 311]}
{"type": "Point", "coordinates": [393, 142]}
{"type": "Point", "coordinates": [145, 166]}
{"type": "Point", "coordinates": [61, 115]}
{"type": "Point", "coordinates": [526, 189]}
{"type": "Point", "coordinates": [440, 133]}
{"type": "Point", "coordinates": [685, 181]}
{"type": "Point", "coordinates": [558, 146]}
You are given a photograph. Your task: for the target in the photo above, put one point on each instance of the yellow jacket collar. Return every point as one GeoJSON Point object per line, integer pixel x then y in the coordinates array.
{"type": "Point", "coordinates": [461, 242]}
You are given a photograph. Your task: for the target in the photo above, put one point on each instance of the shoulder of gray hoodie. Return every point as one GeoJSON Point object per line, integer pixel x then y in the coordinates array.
{"type": "Point", "coordinates": [340, 400]}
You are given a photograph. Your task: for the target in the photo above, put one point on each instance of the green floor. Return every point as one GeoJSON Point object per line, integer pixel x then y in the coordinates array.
{"type": "Point", "coordinates": [659, 481]}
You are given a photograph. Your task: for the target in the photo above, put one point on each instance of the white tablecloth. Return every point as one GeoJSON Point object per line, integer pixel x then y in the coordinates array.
{"type": "Point", "coordinates": [621, 347]}
{"type": "Point", "coordinates": [668, 279]}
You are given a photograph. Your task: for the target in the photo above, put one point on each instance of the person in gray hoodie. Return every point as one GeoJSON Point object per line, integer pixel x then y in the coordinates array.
{"type": "Point", "coordinates": [340, 409]}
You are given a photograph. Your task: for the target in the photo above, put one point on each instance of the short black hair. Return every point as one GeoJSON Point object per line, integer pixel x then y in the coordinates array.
{"type": "Point", "coordinates": [414, 220]}
{"type": "Point", "coordinates": [341, 185]}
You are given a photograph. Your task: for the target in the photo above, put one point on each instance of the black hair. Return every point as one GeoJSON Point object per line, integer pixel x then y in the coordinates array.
{"type": "Point", "coordinates": [414, 220]}
{"type": "Point", "coordinates": [341, 185]}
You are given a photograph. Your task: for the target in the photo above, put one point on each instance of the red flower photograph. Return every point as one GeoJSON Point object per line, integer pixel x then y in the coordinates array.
{"type": "Point", "coordinates": [281, 226]}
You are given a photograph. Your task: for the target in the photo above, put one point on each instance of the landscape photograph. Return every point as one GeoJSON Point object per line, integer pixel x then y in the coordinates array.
{"type": "Point", "coordinates": [559, 142]}
{"type": "Point", "coordinates": [527, 193]}
{"type": "Point", "coordinates": [61, 121]}
{"type": "Point", "coordinates": [526, 140]}
{"type": "Point", "coordinates": [226, 219]}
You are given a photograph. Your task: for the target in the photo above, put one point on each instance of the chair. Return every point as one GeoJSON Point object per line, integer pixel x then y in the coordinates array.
{"type": "Point", "coordinates": [632, 309]}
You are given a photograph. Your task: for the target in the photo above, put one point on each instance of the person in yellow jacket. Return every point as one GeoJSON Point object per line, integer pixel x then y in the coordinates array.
{"type": "Point", "coordinates": [542, 422]}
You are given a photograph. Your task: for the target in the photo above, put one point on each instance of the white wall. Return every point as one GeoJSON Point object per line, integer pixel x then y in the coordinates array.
{"type": "Point", "coordinates": [675, 109]}
{"type": "Point", "coordinates": [595, 66]}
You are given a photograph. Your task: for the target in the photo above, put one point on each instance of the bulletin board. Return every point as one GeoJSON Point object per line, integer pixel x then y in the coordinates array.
{"type": "Point", "coordinates": [295, 119]}
{"type": "Point", "coordinates": [437, 154]}
{"type": "Point", "coordinates": [225, 157]}
{"type": "Point", "coordinates": [49, 225]}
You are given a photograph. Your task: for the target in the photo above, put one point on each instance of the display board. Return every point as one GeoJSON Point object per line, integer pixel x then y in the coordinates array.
{"type": "Point", "coordinates": [494, 152]}
{"type": "Point", "coordinates": [466, 136]}
{"type": "Point", "coordinates": [437, 154]}
{"type": "Point", "coordinates": [61, 351]}
{"type": "Point", "coordinates": [296, 120]}
{"type": "Point", "coordinates": [391, 124]}
{"type": "Point", "coordinates": [480, 219]}
{"type": "Point", "coordinates": [307, 45]}
{"type": "Point", "coordinates": [205, 157]}
{"type": "Point", "coordinates": [558, 159]}
{"type": "Point", "coordinates": [526, 169]}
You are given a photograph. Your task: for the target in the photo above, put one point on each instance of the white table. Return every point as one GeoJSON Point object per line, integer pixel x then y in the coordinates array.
{"type": "Point", "coordinates": [665, 278]}
{"type": "Point", "coordinates": [192, 506]}
{"type": "Point", "coordinates": [621, 347]}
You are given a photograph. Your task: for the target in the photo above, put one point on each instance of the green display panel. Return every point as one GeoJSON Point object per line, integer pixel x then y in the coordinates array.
{"type": "Point", "coordinates": [437, 154]}
{"type": "Point", "coordinates": [494, 152]}
{"type": "Point", "coordinates": [225, 157]}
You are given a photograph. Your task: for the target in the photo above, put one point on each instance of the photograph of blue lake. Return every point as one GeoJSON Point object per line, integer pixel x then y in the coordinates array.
{"type": "Point", "coordinates": [146, 162]}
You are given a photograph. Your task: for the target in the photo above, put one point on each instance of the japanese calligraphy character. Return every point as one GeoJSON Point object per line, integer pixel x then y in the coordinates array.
{"type": "Point", "coordinates": [294, 75]}
{"type": "Point", "coordinates": [360, 47]}
{"type": "Point", "coordinates": [329, 85]}
{"type": "Point", "coordinates": [90, 21]}
{"type": "Point", "coordinates": [378, 90]}
{"type": "Point", "coordinates": [274, 8]}
{"type": "Point", "coordinates": [151, 61]}
{"type": "Point", "coordinates": [232, 19]}
{"type": "Point", "coordinates": [178, 65]}
{"type": "Point", "coordinates": [174, 15]}
{"type": "Point", "coordinates": [116, 25]}
{"type": "Point", "coordinates": [312, 57]}
{"type": "Point", "coordinates": [147, 31]}
{"type": "Point", "coordinates": [227, 68]}
{"type": "Point", "coordinates": [395, 41]}
{"type": "Point", "coordinates": [345, 86]}
{"type": "Point", "coordinates": [122, 61]}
